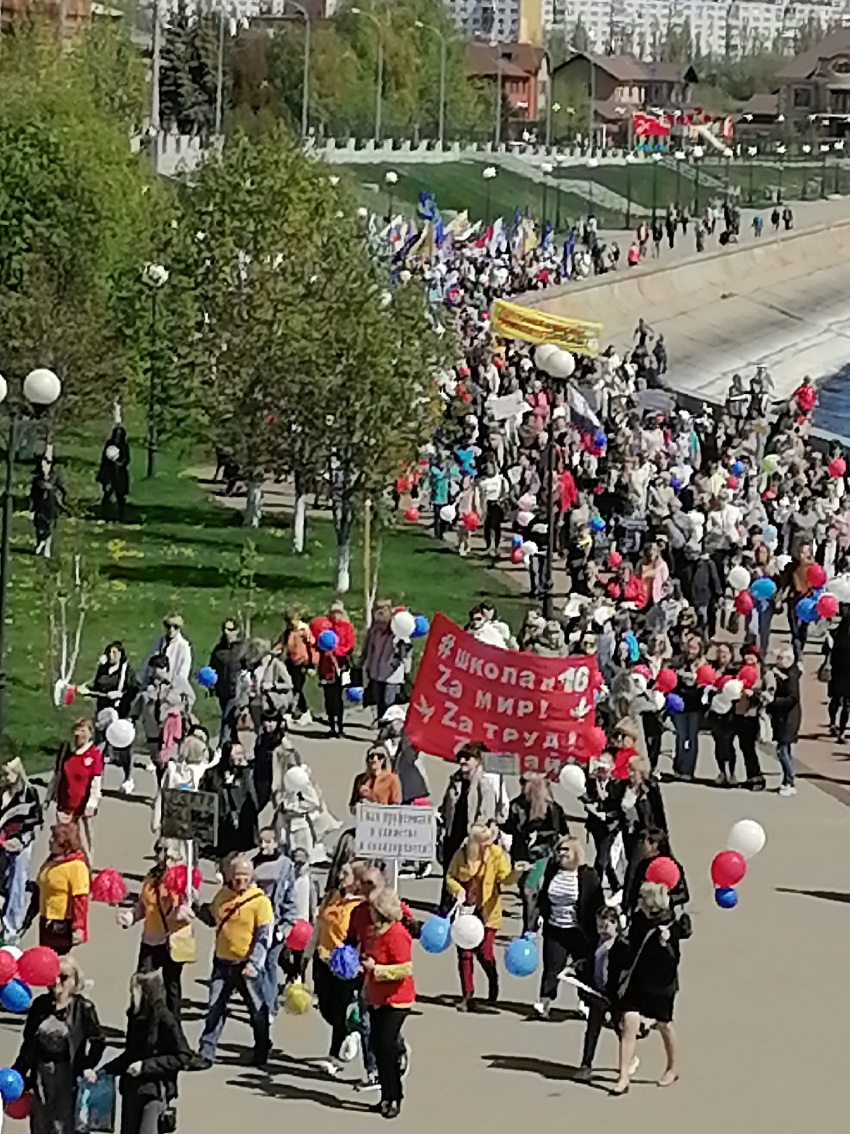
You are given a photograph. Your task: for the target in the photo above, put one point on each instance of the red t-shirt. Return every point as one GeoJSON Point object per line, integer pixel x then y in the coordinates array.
{"type": "Point", "coordinates": [78, 771]}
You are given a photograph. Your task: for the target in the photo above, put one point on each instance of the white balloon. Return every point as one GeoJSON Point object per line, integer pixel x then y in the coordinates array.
{"type": "Point", "coordinates": [527, 502]}
{"type": "Point", "coordinates": [448, 513]}
{"type": "Point", "coordinates": [560, 364]}
{"type": "Point", "coordinates": [112, 453]}
{"type": "Point", "coordinates": [739, 578]}
{"type": "Point", "coordinates": [734, 689]}
{"type": "Point", "coordinates": [13, 951]}
{"type": "Point", "coordinates": [840, 587]}
{"type": "Point", "coordinates": [403, 624]}
{"type": "Point", "coordinates": [121, 734]}
{"type": "Point", "coordinates": [721, 703]}
{"type": "Point", "coordinates": [747, 837]}
{"type": "Point", "coordinates": [529, 548]}
{"type": "Point", "coordinates": [542, 353]}
{"type": "Point", "coordinates": [660, 699]}
{"type": "Point", "coordinates": [296, 778]}
{"type": "Point", "coordinates": [4, 388]}
{"type": "Point", "coordinates": [524, 518]}
{"type": "Point", "coordinates": [782, 562]}
{"type": "Point", "coordinates": [467, 931]}
{"type": "Point", "coordinates": [573, 779]}
{"type": "Point", "coordinates": [639, 683]}
{"type": "Point", "coordinates": [42, 387]}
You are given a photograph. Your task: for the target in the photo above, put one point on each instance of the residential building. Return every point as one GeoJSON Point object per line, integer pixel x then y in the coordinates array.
{"type": "Point", "coordinates": [522, 70]}
{"type": "Point", "coordinates": [499, 20]}
{"type": "Point", "coordinates": [814, 88]}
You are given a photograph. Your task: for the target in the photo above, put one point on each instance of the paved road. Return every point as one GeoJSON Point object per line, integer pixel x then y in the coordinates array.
{"type": "Point", "coordinates": [761, 1013]}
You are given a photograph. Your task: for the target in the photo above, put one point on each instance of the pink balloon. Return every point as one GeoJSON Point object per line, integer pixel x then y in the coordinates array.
{"type": "Point", "coordinates": [816, 576]}
{"type": "Point", "coordinates": [728, 868]}
{"type": "Point", "coordinates": [827, 606]}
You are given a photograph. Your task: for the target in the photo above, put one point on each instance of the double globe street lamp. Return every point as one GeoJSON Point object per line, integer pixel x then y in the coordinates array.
{"type": "Point", "coordinates": [557, 365]}
{"type": "Point", "coordinates": [41, 388]}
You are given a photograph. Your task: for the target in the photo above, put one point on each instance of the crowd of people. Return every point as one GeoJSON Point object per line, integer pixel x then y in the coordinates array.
{"type": "Point", "coordinates": [680, 537]}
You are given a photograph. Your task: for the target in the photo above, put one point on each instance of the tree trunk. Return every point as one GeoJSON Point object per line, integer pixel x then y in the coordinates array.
{"type": "Point", "coordinates": [343, 525]}
{"type": "Point", "coordinates": [299, 519]}
{"type": "Point", "coordinates": [254, 501]}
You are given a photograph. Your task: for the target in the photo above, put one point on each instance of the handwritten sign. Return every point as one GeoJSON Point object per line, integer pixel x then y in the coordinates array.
{"type": "Point", "coordinates": [387, 831]}
{"type": "Point", "coordinates": [538, 708]}
{"type": "Point", "coordinates": [190, 815]}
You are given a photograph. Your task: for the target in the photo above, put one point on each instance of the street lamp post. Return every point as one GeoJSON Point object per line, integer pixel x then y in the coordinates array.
{"type": "Point", "coordinates": [697, 153]}
{"type": "Point", "coordinates": [41, 389]}
{"type": "Point", "coordinates": [824, 150]}
{"type": "Point", "coordinates": [305, 80]}
{"type": "Point", "coordinates": [805, 149]}
{"type": "Point", "coordinates": [547, 168]}
{"type": "Point", "coordinates": [380, 77]}
{"type": "Point", "coordinates": [727, 153]}
{"type": "Point", "coordinates": [592, 164]}
{"type": "Point", "coordinates": [630, 160]}
{"type": "Point", "coordinates": [498, 135]}
{"type": "Point", "coordinates": [154, 276]}
{"type": "Point", "coordinates": [441, 112]}
{"type": "Point", "coordinates": [391, 179]}
{"type": "Point", "coordinates": [751, 153]}
{"type": "Point", "coordinates": [680, 156]}
{"type": "Point", "coordinates": [489, 174]}
{"type": "Point", "coordinates": [557, 201]}
{"type": "Point", "coordinates": [780, 151]}
{"type": "Point", "coordinates": [557, 365]}
{"type": "Point", "coordinates": [838, 147]}
{"type": "Point", "coordinates": [656, 158]}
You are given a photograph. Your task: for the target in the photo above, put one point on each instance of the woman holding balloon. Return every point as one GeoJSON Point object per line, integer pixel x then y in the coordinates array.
{"type": "Point", "coordinates": [747, 714]}
{"type": "Point", "coordinates": [62, 1042]}
{"type": "Point", "coordinates": [336, 644]}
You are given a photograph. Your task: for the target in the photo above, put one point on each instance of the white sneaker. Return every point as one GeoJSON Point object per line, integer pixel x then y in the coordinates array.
{"type": "Point", "coordinates": [330, 1067]}
{"type": "Point", "coordinates": [787, 789]}
{"type": "Point", "coordinates": [635, 1063]}
{"type": "Point", "coordinates": [305, 718]}
{"type": "Point", "coordinates": [128, 787]}
{"type": "Point", "coordinates": [584, 1009]}
{"type": "Point", "coordinates": [369, 1082]}
{"type": "Point", "coordinates": [733, 780]}
{"type": "Point", "coordinates": [542, 1009]}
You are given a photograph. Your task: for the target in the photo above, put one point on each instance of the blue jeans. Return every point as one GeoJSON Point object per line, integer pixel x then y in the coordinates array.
{"type": "Point", "coordinates": [268, 978]}
{"type": "Point", "coordinates": [687, 742]}
{"type": "Point", "coordinates": [227, 977]}
{"type": "Point", "coordinates": [786, 760]}
{"type": "Point", "coordinates": [17, 866]}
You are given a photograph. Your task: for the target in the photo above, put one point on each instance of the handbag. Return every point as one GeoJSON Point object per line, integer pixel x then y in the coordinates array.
{"type": "Point", "coordinates": [94, 1108]}
{"type": "Point", "coordinates": [182, 946]}
{"type": "Point", "coordinates": [625, 978]}
{"type": "Point", "coordinates": [825, 671]}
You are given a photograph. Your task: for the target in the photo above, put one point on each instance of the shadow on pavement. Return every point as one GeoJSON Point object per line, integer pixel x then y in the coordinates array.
{"type": "Point", "coordinates": [826, 895]}
{"type": "Point", "coordinates": [266, 1085]}
{"type": "Point", "coordinates": [546, 1068]}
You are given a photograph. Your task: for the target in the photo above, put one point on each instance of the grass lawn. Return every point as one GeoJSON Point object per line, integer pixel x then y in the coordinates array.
{"type": "Point", "coordinates": [459, 185]}
{"type": "Point", "coordinates": [179, 550]}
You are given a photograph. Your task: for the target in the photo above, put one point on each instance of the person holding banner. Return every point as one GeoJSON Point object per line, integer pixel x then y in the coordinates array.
{"type": "Point", "coordinates": [476, 876]}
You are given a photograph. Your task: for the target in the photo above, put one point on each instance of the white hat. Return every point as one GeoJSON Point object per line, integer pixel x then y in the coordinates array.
{"type": "Point", "coordinates": [394, 713]}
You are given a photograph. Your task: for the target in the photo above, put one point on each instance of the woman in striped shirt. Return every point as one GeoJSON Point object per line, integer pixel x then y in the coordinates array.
{"type": "Point", "coordinates": [570, 896]}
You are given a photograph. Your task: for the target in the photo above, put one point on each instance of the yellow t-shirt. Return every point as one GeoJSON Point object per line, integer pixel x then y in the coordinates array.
{"type": "Point", "coordinates": [58, 883]}
{"type": "Point", "coordinates": [235, 933]}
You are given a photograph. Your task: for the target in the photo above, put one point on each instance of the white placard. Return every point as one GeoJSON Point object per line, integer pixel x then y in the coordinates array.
{"type": "Point", "coordinates": [388, 831]}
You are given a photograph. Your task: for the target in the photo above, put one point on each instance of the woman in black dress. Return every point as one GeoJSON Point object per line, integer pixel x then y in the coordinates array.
{"type": "Point", "coordinates": [232, 780]}
{"type": "Point", "coordinates": [649, 979]}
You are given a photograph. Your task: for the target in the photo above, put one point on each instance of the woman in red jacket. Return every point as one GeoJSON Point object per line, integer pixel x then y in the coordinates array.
{"type": "Point", "coordinates": [390, 992]}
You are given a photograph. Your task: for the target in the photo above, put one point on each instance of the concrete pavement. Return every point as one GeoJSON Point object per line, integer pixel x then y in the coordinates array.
{"type": "Point", "coordinates": [761, 1013]}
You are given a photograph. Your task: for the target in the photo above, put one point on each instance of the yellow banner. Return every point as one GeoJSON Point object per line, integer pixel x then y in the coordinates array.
{"type": "Point", "coordinates": [512, 321]}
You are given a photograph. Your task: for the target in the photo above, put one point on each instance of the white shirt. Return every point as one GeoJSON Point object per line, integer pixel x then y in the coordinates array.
{"type": "Point", "coordinates": [563, 897]}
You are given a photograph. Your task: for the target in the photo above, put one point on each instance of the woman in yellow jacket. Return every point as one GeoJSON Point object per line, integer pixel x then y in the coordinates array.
{"type": "Point", "coordinates": [475, 879]}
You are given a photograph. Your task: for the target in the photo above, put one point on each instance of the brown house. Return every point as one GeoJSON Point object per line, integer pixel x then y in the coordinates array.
{"type": "Point", "coordinates": [523, 72]}
{"type": "Point", "coordinates": [816, 85]}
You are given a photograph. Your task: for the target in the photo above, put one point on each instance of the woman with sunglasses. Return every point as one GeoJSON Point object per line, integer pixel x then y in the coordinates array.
{"type": "Point", "coordinates": [62, 1042]}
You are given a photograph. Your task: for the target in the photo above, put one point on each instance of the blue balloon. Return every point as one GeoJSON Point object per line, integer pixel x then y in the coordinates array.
{"type": "Point", "coordinates": [807, 610]}
{"type": "Point", "coordinates": [737, 468]}
{"type": "Point", "coordinates": [726, 897]}
{"type": "Point", "coordinates": [521, 957]}
{"type": "Point", "coordinates": [345, 962]}
{"type": "Point", "coordinates": [11, 1084]}
{"type": "Point", "coordinates": [354, 693]}
{"type": "Point", "coordinates": [436, 935]}
{"type": "Point", "coordinates": [420, 628]}
{"type": "Point", "coordinates": [516, 540]}
{"type": "Point", "coordinates": [599, 439]}
{"type": "Point", "coordinates": [597, 524]}
{"type": "Point", "coordinates": [763, 588]}
{"type": "Point", "coordinates": [634, 647]}
{"type": "Point", "coordinates": [207, 676]}
{"type": "Point", "coordinates": [15, 996]}
{"type": "Point", "coordinates": [769, 533]}
{"type": "Point", "coordinates": [674, 703]}
{"type": "Point", "coordinates": [675, 483]}
{"type": "Point", "coordinates": [328, 639]}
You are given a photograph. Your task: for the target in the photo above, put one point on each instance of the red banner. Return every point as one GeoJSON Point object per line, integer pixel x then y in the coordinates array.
{"type": "Point", "coordinates": [648, 126]}
{"type": "Point", "coordinates": [539, 708]}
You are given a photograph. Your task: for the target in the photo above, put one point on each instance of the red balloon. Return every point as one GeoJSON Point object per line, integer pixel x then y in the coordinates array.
{"type": "Point", "coordinates": [816, 576]}
{"type": "Point", "coordinates": [298, 936]}
{"type": "Point", "coordinates": [749, 675]}
{"type": "Point", "coordinates": [411, 514]}
{"type": "Point", "coordinates": [596, 741]}
{"type": "Point", "coordinates": [318, 624]}
{"type": "Point", "coordinates": [643, 671]}
{"type": "Point", "coordinates": [827, 605]}
{"type": "Point", "coordinates": [516, 555]}
{"type": "Point", "coordinates": [744, 602]}
{"type": "Point", "coordinates": [38, 966]}
{"type": "Point", "coordinates": [731, 482]}
{"type": "Point", "coordinates": [470, 520]}
{"type": "Point", "coordinates": [665, 871]}
{"type": "Point", "coordinates": [108, 886]}
{"type": "Point", "coordinates": [666, 681]}
{"type": "Point", "coordinates": [614, 559]}
{"type": "Point", "coordinates": [8, 967]}
{"type": "Point", "coordinates": [21, 1107]}
{"type": "Point", "coordinates": [706, 675]}
{"type": "Point", "coordinates": [837, 467]}
{"type": "Point", "coordinates": [728, 868]}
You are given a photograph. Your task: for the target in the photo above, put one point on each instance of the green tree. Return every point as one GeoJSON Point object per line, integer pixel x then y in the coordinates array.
{"type": "Point", "coordinates": [580, 37]}
{"type": "Point", "coordinates": [188, 71]}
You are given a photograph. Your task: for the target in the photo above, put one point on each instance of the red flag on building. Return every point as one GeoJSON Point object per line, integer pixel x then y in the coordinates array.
{"type": "Point", "coordinates": [538, 708]}
{"type": "Point", "coordinates": [648, 126]}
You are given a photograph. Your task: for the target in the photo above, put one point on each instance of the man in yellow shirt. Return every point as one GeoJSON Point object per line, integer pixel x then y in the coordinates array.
{"type": "Point", "coordinates": [243, 918]}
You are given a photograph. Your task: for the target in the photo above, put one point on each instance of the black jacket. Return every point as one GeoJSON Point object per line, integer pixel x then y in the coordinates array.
{"type": "Point", "coordinates": [85, 1036]}
{"type": "Point", "coordinates": [655, 966]}
{"type": "Point", "coordinates": [636, 876]}
{"type": "Point", "coordinates": [161, 1048]}
{"type": "Point", "coordinates": [649, 808]}
{"type": "Point", "coordinates": [226, 660]}
{"type": "Point", "coordinates": [785, 711]}
{"type": "Point", "coordinates": [590, 898]}
{"type": "Point", "coordinates": [534, 838]}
